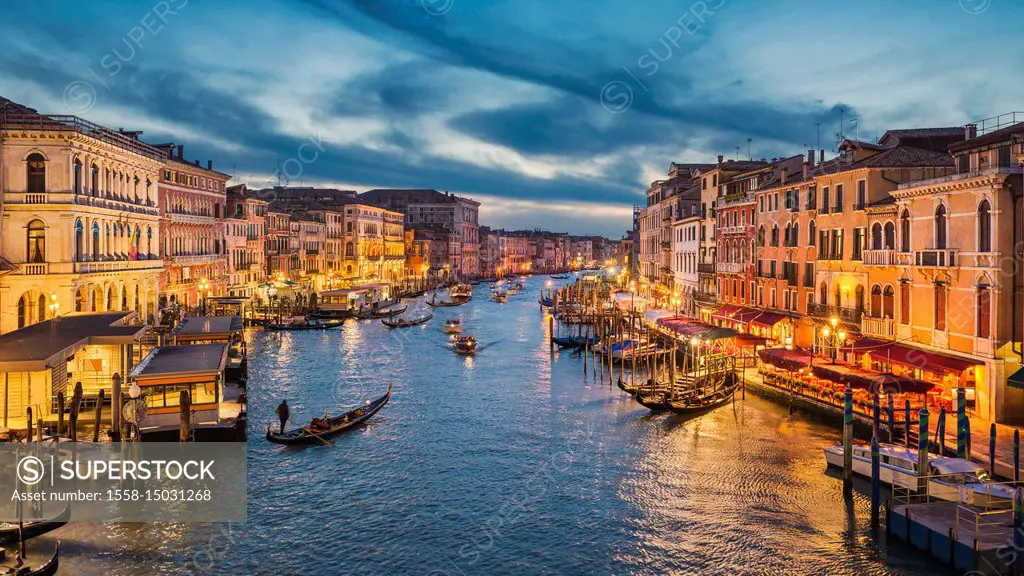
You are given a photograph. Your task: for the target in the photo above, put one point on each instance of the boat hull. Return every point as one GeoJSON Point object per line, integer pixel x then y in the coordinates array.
{"type": "Point", "coordinates": [300, 437]}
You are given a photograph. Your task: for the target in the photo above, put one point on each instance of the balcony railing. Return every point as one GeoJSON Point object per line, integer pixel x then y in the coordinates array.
{"type": "Point", "coordinates": [189, 259]}
{"type": "Point", "coordinates": [59, 123]}
{"type": "Point", "coordinates": [109, 202]}
{"type": "Point", "coordinates": [33, 269]}
{"type": "Point", "coordinates": [879, 257]}
{"type": "Point", "coordinates": [706, 268]}
{"type": "Point", "coordinates": [851, 315]}
{"type": "Point", "coordinates": [732, 267]}
{"type": "Point", "coordinates": [884, 327]}
{"type": "Point", "coordinates": [115, 266]}
{"type": "Point", "coordinates": [706, 297]}
{"type": "Point", "coordinates": [945, 258]}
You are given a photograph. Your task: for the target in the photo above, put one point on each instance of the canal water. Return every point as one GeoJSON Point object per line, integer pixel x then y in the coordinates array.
{"type": "Point", "coordinates": [510, 462]}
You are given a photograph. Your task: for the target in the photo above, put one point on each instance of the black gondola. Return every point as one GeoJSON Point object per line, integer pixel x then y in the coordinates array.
{"type": "Point", "coordinates": [314, 325]}
{"type": "Point", "coordinates": [9, 530]}
{"type": "Point", "coordinates": [559, 277]}
{"type": "Point", "coordinates": [448, 303]}
{"type": "Point", "coordinates": [392, 322]}
{"type": "Point", "coordinates": [48, 569]}
{"type": "Point", "coordinates": [325, 428]}
{"type": "Point", "coordinates": [381, 313]}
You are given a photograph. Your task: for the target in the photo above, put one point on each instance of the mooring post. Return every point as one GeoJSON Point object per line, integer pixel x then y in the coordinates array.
{"type": "Point", "coordinates": [1016, 456]}
{"type": "Point", "coordinates": [961, 428]}
{"type": "Point", "coordinates": [967, 436]}
{"type": "Point", "coordinates": [1018, 529]}
{"type": "Point", "coordinates": [99, 413]}
{"type": "Point", "coordinates": [940, 432]}
{"type": "Point", "coordinates": [922, 450]}
{"type": "Point", "coordinates": [992, 450]}
{"type": "Point", "coordinates": [875, 481]}
{"type": "Point", "coordinates": [60, 413]}
{"type": "Point", "coordinates": [892, 419]}
{"type": "Point", "coordinates": [551, 332]}
{"type": "Point", "coordinates": [876, 407]}
{"type": "Point", "coordinates": [848, 444]}
{"type": "Point", "coordinates": [906, 423]}
{"type": "Point", "coordinates": [28, 424]}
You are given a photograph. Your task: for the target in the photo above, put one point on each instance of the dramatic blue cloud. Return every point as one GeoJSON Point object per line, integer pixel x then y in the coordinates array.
{"type": "Point", "coordinates": [555, 113]}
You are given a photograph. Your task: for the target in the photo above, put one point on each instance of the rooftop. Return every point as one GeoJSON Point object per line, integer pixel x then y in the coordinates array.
{"type": "Point", "coordinates": [173, 360]}
{"type": "Point", "coordinates": [208, 327]}
{"type": "Point", "coordinates": [44, 344]}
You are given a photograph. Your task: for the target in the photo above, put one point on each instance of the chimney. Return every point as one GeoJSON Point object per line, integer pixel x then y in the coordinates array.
{"type": "Point", "coordinates": [720, 158]}
{"type": "Point", "coordinates": [181, 151]}
{"type": "Point", "coordinates": [821, 159]}
{"type": "Point", "coordinates": [810, 156]}
{"type": "Point", "coordinates": [197, 162]}
{"type": "Point", "coordinates": [807, 166]}
{"type": "Point", "coordinates": [784, 174]}
{"type": "Point", "coordinates": [209, 164]}
{"type": "Point", "coordinates": [970, 131]}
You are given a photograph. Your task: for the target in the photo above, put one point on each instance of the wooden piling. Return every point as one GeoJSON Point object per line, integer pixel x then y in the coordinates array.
{"type": "Point", "coordinates": [76, 405]}
{"type": "Point", "coordinates": [60, 413]}
{"type": "Point", "coordinates": [992, 450]}
{"type": "Point", "coordinates": [99, 411]}
{"type": "Point", "coordinates": [185, 409]}
{"type": "Point", "coordinates": [875, 478]}
{"type": "Point", "coordinates": [922, 449]}
{"type": "Point", "coordinates": [848, 444]}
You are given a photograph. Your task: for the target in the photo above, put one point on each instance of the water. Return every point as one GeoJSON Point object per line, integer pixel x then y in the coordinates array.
{"type": "Point", "coordinates": [507, 463]}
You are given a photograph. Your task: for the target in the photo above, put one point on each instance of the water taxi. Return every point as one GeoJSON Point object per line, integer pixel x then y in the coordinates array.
{"type": "Point", "coordinates": [453, 326]}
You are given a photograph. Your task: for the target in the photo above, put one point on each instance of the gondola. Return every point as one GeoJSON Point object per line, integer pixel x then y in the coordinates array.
{"type": "Point", "coordinates": [465, 344]}
{"type": "Point", "coordinates": [559, 277]}
{"type": "Point", "coordinates": [547, 302]}
{"type": "Point", "coordinates": [381, 313]}
{"type": "Point", "coordinates": [320, 429]}
{"type": "Point", "coordinates": [695, 404]}
{"type": "Point", "coordinates": [448, 304]}
{"type": "Point", "coordinates": [393, 322]}
{"type": "Point", "coordinates": [574, 341]}
{"type": "Point", "coordinates": [47, 569]}
{"type": "Point", "coordinates": [9, 530]}
{"type": "Point", "coordinates": [314, 325]}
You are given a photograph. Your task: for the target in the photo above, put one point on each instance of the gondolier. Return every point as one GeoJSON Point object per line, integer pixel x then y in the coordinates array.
{"type": "Point", "coordinates": [283, 413]}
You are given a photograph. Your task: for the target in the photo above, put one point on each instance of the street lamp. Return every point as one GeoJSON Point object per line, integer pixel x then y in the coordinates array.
{"type": "Point", "coordinates": [53, 306]}
{"type": "Point", "coordinates": [204, 287]}
{"type": "Point", "coordinates": [834, 337]}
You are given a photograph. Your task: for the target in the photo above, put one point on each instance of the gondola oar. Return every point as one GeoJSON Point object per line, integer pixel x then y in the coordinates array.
{"type": "Point", "coordinates": [318, 437]}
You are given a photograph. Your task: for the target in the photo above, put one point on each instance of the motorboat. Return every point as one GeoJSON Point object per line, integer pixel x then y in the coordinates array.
{"type": "Point", "coordinates": [453, 326]}
{"type": "Point", "coordinates": [465, 344]}
{"type": "Point", "coordinates": [461, 291]}
{"type": "Point", "coordinates": [951, 479]}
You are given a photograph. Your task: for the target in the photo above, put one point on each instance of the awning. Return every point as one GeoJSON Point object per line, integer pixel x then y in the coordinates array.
{"type": "Point", "coordinates": [655, 315]}
{"type": "Point", "coordinates": [750, 340]}
{"type": "Point", "coordinates": [881, 382]}
{"type": "Point", "coordinates": [691, 328]}
{"type": "Point", "coordinates": [725, 312]}
{"type": "Point", "coordinates": [785, 359]}
{"type": "Point", "coordinates": [768, 319]}
{"type": "Point", "coordinates": [1016, 380]}
{"type": "Point", "coordinates": [884, 350]}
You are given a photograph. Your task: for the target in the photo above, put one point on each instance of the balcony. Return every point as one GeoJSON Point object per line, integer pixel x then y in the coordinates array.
{"type": "Point", "coordinates": [34, 269]}
{"type": "Point", "coordinates": [733, 267]}
{"type": "Point", "coordinates": [116, 266]}
{"type": "Point", "coordinates": [193, 259]}
{"type": "Point", "coordinates": [883, 327]}
{"type": "Point", "coordinates": [879, 257]}
{"type": "Point", "coordinates": [741, 229]}
{"type": "Point", "coordinates": [706, 268]}
{"type": "Point", "coordinates": [850, 315]}
{"type": "Point", "coordinates": [705, 297]}
{"type": "Point", "coordinates": [184, 218]}
{"type": "Point", "coordinates": [109, 201]}
{"type": "Point", "coordinates": [945, 258]}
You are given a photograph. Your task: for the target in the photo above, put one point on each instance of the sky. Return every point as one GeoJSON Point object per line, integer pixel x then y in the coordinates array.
{"type": "Point", "coordinates": [552, 114]}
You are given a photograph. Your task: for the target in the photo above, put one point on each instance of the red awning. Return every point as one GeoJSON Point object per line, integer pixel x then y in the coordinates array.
{"type": "Point", "coordinates": [769, 318]}
{"type": "Point", "coordinates": [725, 312]}
{"type": "Point", "coordinates": [746, 314]}
{"type": "Point", "coordinates": [881, 382]}
{"type": "Point", "coordinates": [883, 350]}
{"type": "Point", "coordinates": [785, 359]}
{"type": "Point", "coordinates": [749, 340]}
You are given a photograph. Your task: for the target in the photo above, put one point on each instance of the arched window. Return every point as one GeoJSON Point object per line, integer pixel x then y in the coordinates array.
{"type": "Point", "coordinates": [876, 301]}
{"type": "Point", "coordinates": [95, 241]}
{"type": "Point", "coordinates": [876, 238]}
{"type": "Point", "coordinates": [859, 298]}
{"type": "Point", "coordinates": [349, 252]}
{"type": "Point", "coordinates": [984, 227]}
{"type": "Point", "coordinates": [41, 308]}
{"type": "Point", "coordinates": [940, 227]}
{"type": "Point", "coordinates": [775, 235]}
{"type": "Point", "coordinates": [823, 296]}
{"type": "Point", "coordinates": [124, 299]}
{"type": "Point", "coordinates": [811, 233]}
{"type": "Point", "coordinates": [36, 242]}
{"type": "Point", "coordinates": [760, 236]}
{"type": "Point", "coordinates": [149, 241]}
{"type": "Point", "coordinates": [79, 239]}
{"type": "Point", "coordinates": [96, 299]}
{"type": "Point", "coordinates": [984, 312]}
{"type": "Point", "coordinates": [110, 298]}
{"type": "Point", "coordinates": [888, 304]}
{"type": "Point", "coordinates": [80, 303]}
{"type": "Point", "coordinates": [905, 302]}
{"type": "Point", "coordinates": [890, 236]}
{"type": "Point", "coordinates": [23, 311]}
{"type": "Point", "coordinates": [78, 176]}
{"type": "Point", "coordinates": [905, 231]}
{"type": "Point", "coordinates": [36, 166]}
{"type": "Point", "coordinates": [786, 234]}
{"type": "Point", "coordinates": [795, 238]}
{"type": "Point", "coordinates": [837, 293]}
{"type": "Point", "coordinates": [94, 184]}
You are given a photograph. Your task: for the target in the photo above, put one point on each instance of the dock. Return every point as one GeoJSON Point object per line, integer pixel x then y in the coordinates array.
{"type": "Point", "coordinates": [969, 539]}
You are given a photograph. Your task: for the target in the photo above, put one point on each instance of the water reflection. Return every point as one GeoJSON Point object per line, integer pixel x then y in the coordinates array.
{"type": "Point", "coordinates": [511, 461]}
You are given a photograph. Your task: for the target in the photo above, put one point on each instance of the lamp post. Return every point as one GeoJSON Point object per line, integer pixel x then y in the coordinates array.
{"type": "Point", "coordinates": [204, 288]}
{"type": "Point", "coordinates": [834, 337]}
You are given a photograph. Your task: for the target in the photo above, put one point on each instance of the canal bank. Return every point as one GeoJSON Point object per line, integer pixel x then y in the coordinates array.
{"type": "Point", "coordinates": [512, 461]}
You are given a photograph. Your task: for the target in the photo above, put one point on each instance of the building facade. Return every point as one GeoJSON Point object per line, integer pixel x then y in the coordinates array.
{"type": "Point", "coordinates": [246, 236]}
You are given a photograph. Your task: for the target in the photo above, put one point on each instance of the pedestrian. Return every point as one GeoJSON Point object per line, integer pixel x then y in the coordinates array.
{"type": "Point", "coordinates": [282, 413]}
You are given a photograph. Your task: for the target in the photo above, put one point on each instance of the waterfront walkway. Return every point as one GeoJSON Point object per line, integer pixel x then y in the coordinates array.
{"type": "Point", "coordinates": [980, 430]}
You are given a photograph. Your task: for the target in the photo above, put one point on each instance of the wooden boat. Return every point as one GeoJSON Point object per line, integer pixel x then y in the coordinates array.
{"type": "Point", "coordinates": [702, 401]}
{"type": "Point", "coordinates": [575, 341]}
{"type": "Point", "coordinates": [559, 277]}
{"type": "Point", "coordinates": [500, 297]}
{"type": "Point", "coordinates": [48, 569]}
{"type": "Point", "coordinates": [381, 313]}
{"type": "Point", "coordinates": [511, 291]}
{"type": "Point", "coordinates": [447, 304]}
{"type": "Point", "coordinates": [547, 302]}
{"type": "Point", "coordinates": [461, 291]}
{"type": "Point", "coordinates": [453, 326]}
{"type": "Point", "coordinates": [9, 530]}
{"type": "Point", "coordinates": [393, 322]}
{"type": "Point", "coordinates": [305, 325]}
{"type": "Point", "coordinates": [465, 344]}
{"type": "Point", "coordinates": [319, 429]}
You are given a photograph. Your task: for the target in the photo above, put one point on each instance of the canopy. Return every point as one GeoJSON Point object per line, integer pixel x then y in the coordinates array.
{"type": "Point", "coordinates": [768, 318]}
{"type": "Point", "coordinates": [872, 381]}
{"type": "Point", "coordinates": [884, 350]}
{"type": "Point", "coordinates": [785, 359]}
{"type": "Point", "coordinates": [692, 328]}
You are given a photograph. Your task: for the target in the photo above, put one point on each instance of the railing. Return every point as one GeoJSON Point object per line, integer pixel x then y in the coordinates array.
{"type": "Point", "coordinates": [705, 296]}
{"type": "Point", "coordinates": [739, 229]}
{"type": "Point", "coordinates": [879, 257]}
{"type": "Point", "coordinates": [59, 123]}
{"type": "Point", "coordinates": [706, 268]}
{"type": "Point", "coordinates": [197, 258]}
{"type": "Point", "coordinates": [885, 327]}
{"type": "Point", "coordinates": [117, 266]}
{"type": "Point", "coordinates": [936, 258]}
{"type": "Point", "coordinates": [192, 218]}
{"type": "Point", "coordinates": [851, 315]}
{"type": "Point", "coordinates": [732, 267]}
{"type": "Point", "coordinates": [33, 269]}
{"type": "Point", "coordinates": [766, 274]}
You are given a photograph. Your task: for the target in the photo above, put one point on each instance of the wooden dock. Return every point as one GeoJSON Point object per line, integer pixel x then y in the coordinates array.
{"type": "Point", "coordinates": [968, 539]}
